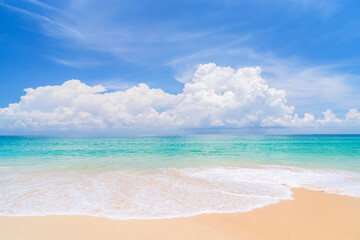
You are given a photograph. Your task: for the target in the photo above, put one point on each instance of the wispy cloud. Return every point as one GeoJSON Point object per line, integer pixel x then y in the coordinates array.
{"type": "Point", "coordinates": [108, 27]}
{"type": "Point", "coordinates": [325, 8]}
{"type": "Point", "coordinates": [87, 25]}
{"type": "Point", "coordinates": [76, 63]}
{"type": "Point", "coordinates": [57, 27]}
{"type": "Point", "coordinates": [41, 4]}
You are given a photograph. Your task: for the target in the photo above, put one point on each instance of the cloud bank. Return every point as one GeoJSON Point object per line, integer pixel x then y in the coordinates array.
{"type": "Point", "coordinates": [215, 97]}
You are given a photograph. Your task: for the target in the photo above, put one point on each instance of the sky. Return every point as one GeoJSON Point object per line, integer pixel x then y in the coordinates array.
{"type": "Point", "coordinates": [169, 66]}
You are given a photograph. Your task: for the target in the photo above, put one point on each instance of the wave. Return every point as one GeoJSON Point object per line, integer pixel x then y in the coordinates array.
{"type": "Point", "coordinates": [163, 193]}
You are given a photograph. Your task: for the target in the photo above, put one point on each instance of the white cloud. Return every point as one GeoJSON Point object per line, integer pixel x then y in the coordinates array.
{"type": "Point", "coordinates": [329, 117]}
{"type": "Point", "coordinates": [76, 105]}
{"type": "Point", "coordinates": [353, 116]}
{"type": "Point", "coordinates": [309, 87]}
{"type": "Point", "coordinates": [219, 96]}
{"type": "Point", "coordinates": [215, 97]}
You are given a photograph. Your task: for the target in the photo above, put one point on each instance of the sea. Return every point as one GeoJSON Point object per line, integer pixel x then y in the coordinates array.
{"type": "Point", "coordinates": [151, 177]}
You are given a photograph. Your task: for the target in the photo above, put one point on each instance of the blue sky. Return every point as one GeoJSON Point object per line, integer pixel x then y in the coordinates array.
{"type": "Point", "coordinates": [308, 48]}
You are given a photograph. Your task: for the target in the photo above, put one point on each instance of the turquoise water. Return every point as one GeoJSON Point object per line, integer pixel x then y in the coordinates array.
{"type": "Point", "coordinates": [162, 177]}
{"type": "Point", "coordinates": [102, 153]}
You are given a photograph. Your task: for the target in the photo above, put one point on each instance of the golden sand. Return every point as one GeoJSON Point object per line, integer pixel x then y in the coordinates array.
{"type": "Point", "coordinates": [312, 215]}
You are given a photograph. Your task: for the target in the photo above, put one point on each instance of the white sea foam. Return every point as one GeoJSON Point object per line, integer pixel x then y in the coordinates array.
{"type": "Point", "coordinates": [163, 193]}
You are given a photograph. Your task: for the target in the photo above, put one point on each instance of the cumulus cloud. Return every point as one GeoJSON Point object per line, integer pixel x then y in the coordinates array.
{"type": "Point", "coordinates": [215, 97]}
{"type": "Point", "coordinates": [353, 116]}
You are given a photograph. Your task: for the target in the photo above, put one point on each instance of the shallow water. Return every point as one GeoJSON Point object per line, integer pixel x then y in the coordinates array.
{"type": "Point", "coordinates": [157, 177]}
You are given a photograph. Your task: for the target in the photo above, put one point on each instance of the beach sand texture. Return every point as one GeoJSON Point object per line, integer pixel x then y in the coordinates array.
{"type": "Point", "coordinates": [312, 215]}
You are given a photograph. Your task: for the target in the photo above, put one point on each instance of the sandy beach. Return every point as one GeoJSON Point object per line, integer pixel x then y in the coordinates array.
{"type": "Point", "coordinates": [311, 215]}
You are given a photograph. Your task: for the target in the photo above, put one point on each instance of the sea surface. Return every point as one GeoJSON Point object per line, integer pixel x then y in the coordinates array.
{"type": "Point", "coordinates": [173, 176]}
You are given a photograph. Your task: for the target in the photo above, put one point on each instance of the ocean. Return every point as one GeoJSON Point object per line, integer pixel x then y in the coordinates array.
{"type": "Point", "coordinates": [153, 177]}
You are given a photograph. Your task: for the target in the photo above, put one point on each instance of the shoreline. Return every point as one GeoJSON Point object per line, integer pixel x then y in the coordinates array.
{"type": "Point", "coordinates": [311, 215]}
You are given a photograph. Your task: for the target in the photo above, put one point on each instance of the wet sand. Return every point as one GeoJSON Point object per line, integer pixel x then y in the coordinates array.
{"type": "Point", "coordinates": [311, 215]}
